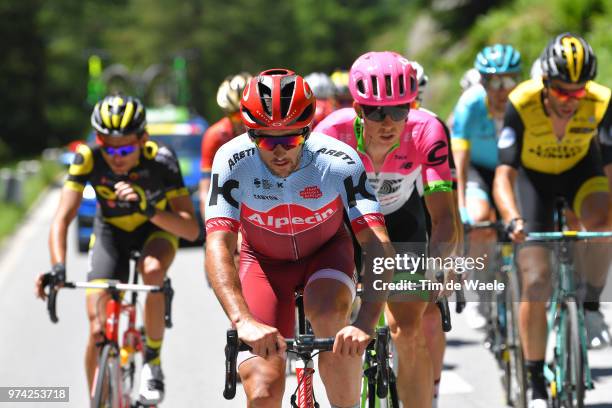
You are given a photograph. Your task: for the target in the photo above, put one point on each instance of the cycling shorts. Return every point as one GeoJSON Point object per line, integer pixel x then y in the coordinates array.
{"type": "Point", "coordinates": [479, 183]}
{"type": "Point", "coordinates": [268, 286]}
{"type": "Point", "coordinates": [110, 247]}
{"type": "Point", "coordinates": [537, 192]}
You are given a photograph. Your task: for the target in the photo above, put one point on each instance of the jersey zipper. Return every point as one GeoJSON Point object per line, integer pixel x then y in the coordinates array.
{"type": "Point", "coordinates": [287, 194]}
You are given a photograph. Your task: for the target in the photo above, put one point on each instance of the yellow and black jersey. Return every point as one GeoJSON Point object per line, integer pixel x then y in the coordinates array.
{"type": "Point", "coordinates": [157, 175]}
{"type": "Point", "coordinates": [527, 138]}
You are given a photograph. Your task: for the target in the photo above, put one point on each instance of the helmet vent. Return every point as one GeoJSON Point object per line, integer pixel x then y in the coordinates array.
{"type": "Point", "coordinates": [287, 90]}
{"type": "Point", "coordinates": [388, 86]}
{"type": "Point", "coordinates": [360, 86]}
{"type": "Point", "coordinates": [402, 89]}
{"type": "Point", "coordinates": [252, 117]}
{"type": "Point", "coordinates": [305, 113]}
{"type": "Point", "coordinates": [265, 94]}
{"type": "Point", "coordinates": [374, 85]}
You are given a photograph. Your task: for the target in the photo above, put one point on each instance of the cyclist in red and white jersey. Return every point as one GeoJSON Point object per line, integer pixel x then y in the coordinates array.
{"type": "Point", "coordinates": [228, 99]}
{"type": "Point", "coordinates": [405, 154]}
{"type": "Point", "coordinates": [280, 186]}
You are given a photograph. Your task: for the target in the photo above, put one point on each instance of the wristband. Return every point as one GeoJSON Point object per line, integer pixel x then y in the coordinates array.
{"type": "Point", "coordinates": [59, 271]}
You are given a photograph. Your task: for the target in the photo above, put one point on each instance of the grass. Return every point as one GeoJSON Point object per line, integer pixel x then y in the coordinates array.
{"type": "Point", "coordinates": [12, 214]}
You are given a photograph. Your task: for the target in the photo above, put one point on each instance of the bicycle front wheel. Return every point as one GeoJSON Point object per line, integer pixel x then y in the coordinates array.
{"type": "Point", "coordinates": [516, 375]}
{"type": "Point", "coordinates": [574, 381]}
{"type": "Point", "coordinates": [106, 392]}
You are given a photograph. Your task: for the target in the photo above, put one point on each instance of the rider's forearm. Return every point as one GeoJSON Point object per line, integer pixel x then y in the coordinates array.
{"type": "Point", "coordinates": [368, 316]}
{"type": "Point", "coordinates": [503, 192]}
{"type": "Point", "coordinates": [461, 163]}
{"type": "Point", "coordinates": [181, 223]}
{"type": "Point", "coordinates": [444, 237]}
{"type": "Point", "coordinates": [57, 240]}
{"type": "Point", "coordinates": [224, 279]}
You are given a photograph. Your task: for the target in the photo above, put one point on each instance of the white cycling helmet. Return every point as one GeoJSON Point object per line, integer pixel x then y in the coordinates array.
{"type": "Point", "coordinates": [321, 85]}
{"type": "Point", "coordinates": [422, 79]}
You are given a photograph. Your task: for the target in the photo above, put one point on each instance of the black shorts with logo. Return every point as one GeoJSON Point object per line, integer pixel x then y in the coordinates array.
{"type": "Point", "coordinates": [110, 247]}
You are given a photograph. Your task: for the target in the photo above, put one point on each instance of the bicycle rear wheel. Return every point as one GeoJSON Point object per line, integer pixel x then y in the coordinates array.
{"type": "Point", "coordinates": [516, 375]}
{"type": "Point", "coordinates": [574, 381]}
{"type": "Point", "coordinates": [107, 392]}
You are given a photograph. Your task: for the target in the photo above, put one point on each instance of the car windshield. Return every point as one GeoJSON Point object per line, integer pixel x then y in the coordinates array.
{"type": "Point", "coordinates": [184, 146]}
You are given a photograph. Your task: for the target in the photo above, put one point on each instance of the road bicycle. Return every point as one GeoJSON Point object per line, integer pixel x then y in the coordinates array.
{"type": "Point", "coordinates": [502, 336]}
{"type": "Point", "coordinates": [114, 379]}
{"type": "Point", "coordinates": [379, 384]}
{"type": "Point", "coordinates": [305, 346]}
{"type": "Point", "coordinates": [567, 370]}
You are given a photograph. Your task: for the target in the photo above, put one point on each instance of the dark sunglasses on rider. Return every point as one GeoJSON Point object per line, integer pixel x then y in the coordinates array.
{"type": "Point", "coordinates": [564, 95]}
{"type": "Point", "coordinates": [269, 142]}
{"type": "Point", "coordinates": [496, 83]}
{"type": "Point", "coordinates": [378, 113]}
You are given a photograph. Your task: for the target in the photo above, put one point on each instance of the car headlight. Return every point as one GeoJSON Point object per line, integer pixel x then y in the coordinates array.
{"type": "Point", "coordinates": [89, 193]}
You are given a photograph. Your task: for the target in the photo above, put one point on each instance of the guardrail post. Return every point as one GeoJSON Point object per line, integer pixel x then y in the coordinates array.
{"type": "Point", "coordinates": [13, 186]}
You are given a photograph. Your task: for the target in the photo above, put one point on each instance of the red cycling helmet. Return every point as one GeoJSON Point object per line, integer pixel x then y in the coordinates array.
{"type": "Point", "coordinates": [277, 99]}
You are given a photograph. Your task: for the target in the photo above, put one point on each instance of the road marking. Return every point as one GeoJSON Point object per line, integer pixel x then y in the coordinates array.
{"type": "Point", "coordinates": [452, 383]}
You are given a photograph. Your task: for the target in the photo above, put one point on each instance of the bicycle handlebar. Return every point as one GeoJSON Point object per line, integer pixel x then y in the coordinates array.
{"type": "Point", "coordinates": [112, 286]}
{"type": "Point", "coordinates": [567, 235]}
{"type": "Point", "coordinates": [303, 344]}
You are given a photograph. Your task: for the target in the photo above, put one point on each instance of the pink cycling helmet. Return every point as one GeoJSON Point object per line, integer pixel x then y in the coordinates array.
{"type": "Point", "coordinates": [383, 78]}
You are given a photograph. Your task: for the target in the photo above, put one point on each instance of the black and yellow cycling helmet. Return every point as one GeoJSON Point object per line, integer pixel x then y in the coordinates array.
{"type": "Point", "coordinates": [118, 115]}
{"type": "Point", "coordinates": [569, 58]}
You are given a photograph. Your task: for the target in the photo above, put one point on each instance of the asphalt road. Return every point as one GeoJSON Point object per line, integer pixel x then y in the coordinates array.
{"type": "Point", "coordinates": [35, 352]}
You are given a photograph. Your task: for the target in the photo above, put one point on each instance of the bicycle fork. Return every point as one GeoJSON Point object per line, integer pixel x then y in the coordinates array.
{"type": "Point", "coordinates": [304, 373]}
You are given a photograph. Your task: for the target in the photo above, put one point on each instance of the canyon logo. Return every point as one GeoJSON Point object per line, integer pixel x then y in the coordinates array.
{"type": "Point", "coordinates": [291, 218]}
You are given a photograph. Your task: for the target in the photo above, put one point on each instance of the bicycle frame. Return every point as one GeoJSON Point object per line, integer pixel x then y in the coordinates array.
{"type": "Point", "coordinates": [502, 336]}
{"type": "Point", "coordinates": [563, 293]}
{"type": "Point", "coordinates": [114, 308]}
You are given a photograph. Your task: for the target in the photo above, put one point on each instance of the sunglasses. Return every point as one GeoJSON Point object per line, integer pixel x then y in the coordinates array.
{"type": "Point", "coordinates": [564, 95]}
{"type": "Point", "coordinates": [120, 150]}
{"type": "Point", "coordinates": [496, 83]}
{"type": "Point", "coordinates": [378, 113]}
{"type": "Point", "coordinates": [269, 142]}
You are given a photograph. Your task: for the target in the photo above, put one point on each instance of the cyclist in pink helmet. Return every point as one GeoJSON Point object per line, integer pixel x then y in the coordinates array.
{"type": "Point", "coordinates": [405, 153]}
{"type": "Point", "coordinates": [383, 79]}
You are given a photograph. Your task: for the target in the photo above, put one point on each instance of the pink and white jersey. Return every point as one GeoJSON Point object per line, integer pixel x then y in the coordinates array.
{"type": "Point", "coordinates": [290, 218]}
{"type": "Point", "coordinates": [419, 161]}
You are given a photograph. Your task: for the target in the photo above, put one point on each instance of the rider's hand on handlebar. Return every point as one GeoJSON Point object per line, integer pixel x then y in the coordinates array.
{"type": "Point", "coordinates": [265, 341]}
{"type": "Point", "coordinates": [39, 285]}
{"type": "Point", "coordinates": [55, 278]}
{"type": "Point", "coordinates": [516, 228]}
{"type": "Point", "coordinates": [351, 341]}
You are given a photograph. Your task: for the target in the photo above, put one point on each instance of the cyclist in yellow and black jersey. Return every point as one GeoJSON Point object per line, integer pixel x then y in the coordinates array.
{"type": "Point", "coordinates": [555, 142]}
{"type": "Point", "coordinates": [156, 177]}
{"type": "Point", "coordinates": [142, 205]}
{"type": "Point", "coordinates": [529, 139]}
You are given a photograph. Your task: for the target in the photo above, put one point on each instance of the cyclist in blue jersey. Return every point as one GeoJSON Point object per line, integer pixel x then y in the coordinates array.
{"type": "Point", "coordinates": [478, 117]}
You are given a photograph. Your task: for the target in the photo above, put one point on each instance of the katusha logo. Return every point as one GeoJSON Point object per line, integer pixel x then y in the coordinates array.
{"type": "Point", "coordinates": [291, 218]}
{"type": "Point", "coordinates": [312, 192]}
